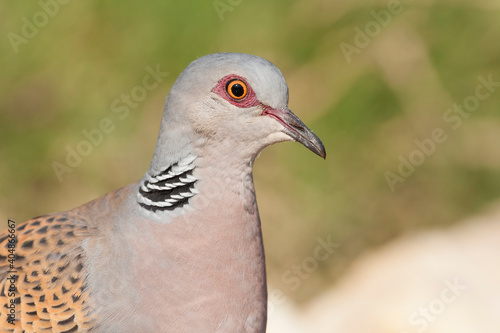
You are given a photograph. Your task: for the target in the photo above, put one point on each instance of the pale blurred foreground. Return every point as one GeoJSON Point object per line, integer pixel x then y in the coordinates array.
{"type": "Point", "coordinates": [445, 281]}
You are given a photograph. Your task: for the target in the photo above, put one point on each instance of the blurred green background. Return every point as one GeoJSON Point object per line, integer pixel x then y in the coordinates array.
{"type": "Point", "coordinates": [368, 105]}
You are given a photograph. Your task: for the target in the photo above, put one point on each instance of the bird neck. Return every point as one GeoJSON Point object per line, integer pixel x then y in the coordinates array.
{"type": "Point", "coordinates": [204, 171]}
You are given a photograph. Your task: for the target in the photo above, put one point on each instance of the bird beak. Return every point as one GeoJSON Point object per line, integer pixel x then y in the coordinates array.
{"type": "Point", "coordinates": [296, 129]}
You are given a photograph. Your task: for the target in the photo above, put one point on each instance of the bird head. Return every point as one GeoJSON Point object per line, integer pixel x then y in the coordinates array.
{"type": "Point", "coordinates": [235, 99]}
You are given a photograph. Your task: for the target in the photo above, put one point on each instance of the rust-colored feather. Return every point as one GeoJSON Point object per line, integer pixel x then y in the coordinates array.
{"type": "Point", "coordinates": [50, 293]}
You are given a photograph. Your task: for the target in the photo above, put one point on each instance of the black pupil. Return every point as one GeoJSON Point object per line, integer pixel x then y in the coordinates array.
{"type": "Point", "coordinates": [237, 90]}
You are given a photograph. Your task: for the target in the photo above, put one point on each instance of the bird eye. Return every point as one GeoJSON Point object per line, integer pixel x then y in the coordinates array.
{"type": "Point", "coordinates": [237, 89]}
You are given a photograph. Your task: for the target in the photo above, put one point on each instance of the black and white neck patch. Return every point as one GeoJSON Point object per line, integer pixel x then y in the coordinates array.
{"type": "Point", "coordinates": [170, 188]}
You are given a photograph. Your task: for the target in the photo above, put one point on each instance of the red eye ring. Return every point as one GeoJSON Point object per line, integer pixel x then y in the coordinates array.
{"type": "Point", "coordinates": [237, 89]}
{"type": "Point", "coordinates": [226, 88]}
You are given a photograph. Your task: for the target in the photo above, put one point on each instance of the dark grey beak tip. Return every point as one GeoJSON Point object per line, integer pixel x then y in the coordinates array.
{"type": "Point", "coordinates": [313, 143]}
{"type": "Point", "coordinates": [322, 152]}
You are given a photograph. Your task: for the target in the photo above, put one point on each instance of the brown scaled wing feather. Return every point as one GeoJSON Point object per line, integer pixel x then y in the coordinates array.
{"type": "Point", "coordinates": [50, 295]}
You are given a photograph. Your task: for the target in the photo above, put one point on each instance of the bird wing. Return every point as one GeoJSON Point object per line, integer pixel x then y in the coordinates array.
{"type": "Point", "coordinates": [43, 287]}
